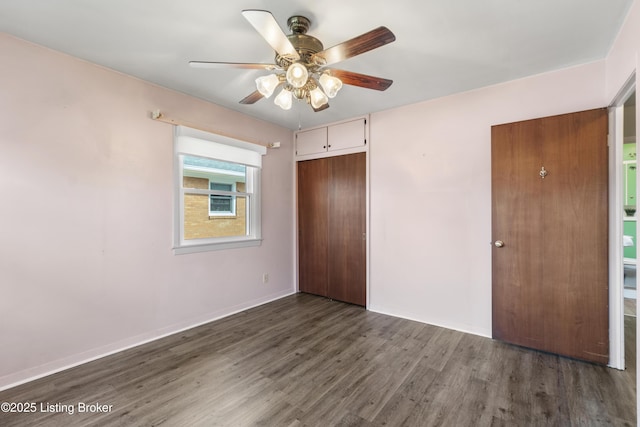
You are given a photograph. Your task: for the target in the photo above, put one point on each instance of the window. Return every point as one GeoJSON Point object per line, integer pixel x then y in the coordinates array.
{"type": "Point", "coordinates": [217, 192]}
{"type": "Point", "coordinates": [222, 205]}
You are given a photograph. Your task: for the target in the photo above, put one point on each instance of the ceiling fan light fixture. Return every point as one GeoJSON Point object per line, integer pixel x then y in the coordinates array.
{"type": "Point", "coordinates": [297, 75]}
{"type": "Point", "coordinates": [330, 84]}
{"type": "Point", "coordinates": [284, 99]}
{"type": "Point", "coordinates": [266, 85]}
{"type": "Point", "coordinates": [318, 98]}
{"type": "Point", "coordinates": [300, 61]}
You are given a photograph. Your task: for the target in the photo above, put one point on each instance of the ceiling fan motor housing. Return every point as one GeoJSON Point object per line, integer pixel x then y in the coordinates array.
{"type": "Point", "coordinates": [299, 24]}
{"type": "Point", "coordinates": [304, 44]}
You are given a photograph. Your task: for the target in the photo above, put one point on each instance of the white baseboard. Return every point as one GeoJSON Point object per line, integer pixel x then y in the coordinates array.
{"type": "Point", "coordinates": [31, 374]}
{"type": "Point", "coordinates": [486, 334]}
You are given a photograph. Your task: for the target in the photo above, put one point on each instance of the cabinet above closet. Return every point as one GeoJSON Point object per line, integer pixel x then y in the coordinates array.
{"type": "Point", "coordinates": [345, 137]}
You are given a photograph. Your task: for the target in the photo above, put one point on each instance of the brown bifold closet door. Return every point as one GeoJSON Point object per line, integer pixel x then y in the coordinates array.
{"type": "Point", "coordinates": [313, 227]}
{"type": "Point", "coordinates": [347, 228]}
{"type": "Point", "coordinates": [550, 234]}
{"type": "Point", "coordinates": [332, 227]}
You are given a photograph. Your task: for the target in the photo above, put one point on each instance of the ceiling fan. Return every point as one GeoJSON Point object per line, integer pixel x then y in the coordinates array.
{"type": "Point", "coordinates": [301, 62]}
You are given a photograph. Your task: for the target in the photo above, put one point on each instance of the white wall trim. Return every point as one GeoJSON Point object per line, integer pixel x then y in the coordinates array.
{"type": "Point", "coordinates": [616, 268]}
{"type": "Point", "coordinates": [616, 255]}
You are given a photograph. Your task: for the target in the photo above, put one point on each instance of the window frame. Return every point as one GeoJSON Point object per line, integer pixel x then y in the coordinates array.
{"type": "Point", "coordinates": [193, 142]}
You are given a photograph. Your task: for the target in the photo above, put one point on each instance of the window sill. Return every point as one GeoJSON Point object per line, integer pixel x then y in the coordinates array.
{"type": "Point", "coordinates": [206, 247]}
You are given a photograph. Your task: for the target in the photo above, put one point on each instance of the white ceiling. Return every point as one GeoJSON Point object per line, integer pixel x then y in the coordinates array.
{"type": "Point", "coordinates": [442, 46]}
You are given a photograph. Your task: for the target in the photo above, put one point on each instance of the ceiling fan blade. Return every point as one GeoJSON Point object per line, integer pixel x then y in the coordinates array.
{"type": "Point", "coordinates": [265, 24]}
{"type": "Point", "coordinates": [248, 66]}
{"type": "Point", "coordinates": [252, 98]}
{"type": "Point", "coordinates": [320, 108]}
{"type": "Point", "coordinates": [356, 46]}
{"type": "Point", "coordinates": [361, 80]}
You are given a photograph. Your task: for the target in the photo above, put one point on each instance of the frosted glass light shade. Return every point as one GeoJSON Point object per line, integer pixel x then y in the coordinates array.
{"type": "Point", "coordinates": [330, 84]}
{"type": "Point", "coordinates": [318, 98]}
{"type": "Point", "coordinates": [284, 99]}
{"type": "Point", "coordinates": [297, 75]}
{"type": "Point", "coordinates": [267, 84]}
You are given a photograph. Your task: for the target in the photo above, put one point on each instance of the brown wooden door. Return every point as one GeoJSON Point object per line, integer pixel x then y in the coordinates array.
{"type": "Point", "coordinates": [331, 227]}
{"type": "Point", "coordinates": [347, 222]}
{"type": "Point", "coordinates": [313, 228]}
{"type": "Point", "coordinates": [550, 279]}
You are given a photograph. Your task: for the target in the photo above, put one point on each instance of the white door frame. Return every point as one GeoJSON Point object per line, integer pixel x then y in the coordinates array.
{"type": "Point", "coordinates": [616, 266]}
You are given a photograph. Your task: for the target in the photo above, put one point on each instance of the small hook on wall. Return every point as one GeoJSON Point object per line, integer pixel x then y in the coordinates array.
{"type": "Point", "coordinates": [543, 172]}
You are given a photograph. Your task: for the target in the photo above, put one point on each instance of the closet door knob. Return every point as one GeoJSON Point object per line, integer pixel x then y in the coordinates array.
{"type": "Point", "coordinates": [499, 243]}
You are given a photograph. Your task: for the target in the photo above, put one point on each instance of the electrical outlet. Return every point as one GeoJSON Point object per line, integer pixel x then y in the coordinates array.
{"type": "Point", "coordinates": [265, 278]}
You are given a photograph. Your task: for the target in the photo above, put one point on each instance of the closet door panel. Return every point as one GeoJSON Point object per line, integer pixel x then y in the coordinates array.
{"type": "Point", "coordinates": [347, 228]}
{"type": "Point", "coordinates": [313, 205]}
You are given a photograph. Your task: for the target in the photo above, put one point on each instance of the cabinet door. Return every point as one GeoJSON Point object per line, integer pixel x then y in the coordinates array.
{"type": "Point", "coordinates": [347, 226]}
{"type": "Point", "coordinates": [346, 135]}
{"type": "Point", "coordinates": [311, 141]}
{"type": "Point", "coordinates": [312, 226]}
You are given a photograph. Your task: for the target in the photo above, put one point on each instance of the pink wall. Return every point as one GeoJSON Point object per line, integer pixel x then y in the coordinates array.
{"type": "Point", "coordinates": [86, 265]}
{"type": "Point", "coordinates": [431, 194]}
{"type": "Point", "coordinates": [432, 261]}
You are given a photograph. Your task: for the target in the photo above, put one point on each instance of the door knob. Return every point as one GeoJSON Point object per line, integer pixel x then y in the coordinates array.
{"type": "Point", "coordinates": [499, 243]}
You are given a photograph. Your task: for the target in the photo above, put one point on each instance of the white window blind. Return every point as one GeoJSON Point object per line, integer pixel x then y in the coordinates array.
{"type": "Point", "coordinates": [200, 143]}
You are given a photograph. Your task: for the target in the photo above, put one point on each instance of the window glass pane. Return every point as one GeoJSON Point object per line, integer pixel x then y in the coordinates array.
{"type": "Point", "coordinates": [219, 204]}
{"type": "Point", "coordinates": [198, 172]}
{"type": "Point", "coordinates": [200, 224]}
{"type": "Point", "coordinates": [223, 187]}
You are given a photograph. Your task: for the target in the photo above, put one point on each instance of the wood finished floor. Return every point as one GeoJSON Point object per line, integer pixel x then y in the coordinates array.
{"type": "Point", "coordinates": [309, 361]}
